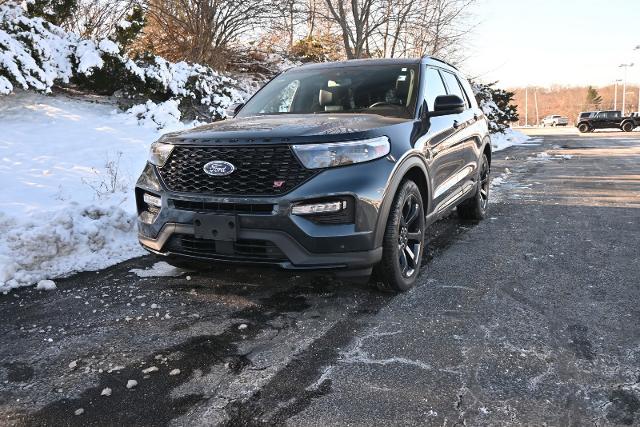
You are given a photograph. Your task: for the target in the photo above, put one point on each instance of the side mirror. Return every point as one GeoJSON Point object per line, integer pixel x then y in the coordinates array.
{"type": "Point", "coordinates": [445, 105]}
{"type": "Point", "coordinates": [237, 108]}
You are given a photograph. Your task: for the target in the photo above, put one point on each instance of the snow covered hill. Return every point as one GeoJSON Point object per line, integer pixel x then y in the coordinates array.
{"type": "Point", "coordinates": [68, 168]}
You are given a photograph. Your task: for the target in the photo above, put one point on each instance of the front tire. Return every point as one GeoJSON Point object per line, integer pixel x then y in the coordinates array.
{"type": "Point", "coordinates": [583, 128]}
{"type": "Point", "coordinates": [476, 207]}
{"type": "Point", "coordinates": [627, 126]}
{"type": "Point", "coordinates": [403, 243]}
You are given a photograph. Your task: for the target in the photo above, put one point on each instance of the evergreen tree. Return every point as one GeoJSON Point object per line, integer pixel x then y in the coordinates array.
{"type": "Point", "coordinates": [128, 32]}
{"type": "Point", "coordinates": [56, 12]}
{"type": "Point", "coordinates": [497, 104]}
{"type": "Point", "coordinates": [593, 98]}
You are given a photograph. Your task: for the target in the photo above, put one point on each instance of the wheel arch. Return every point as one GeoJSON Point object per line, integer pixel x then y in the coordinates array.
{"type": "Point", "coordinates": [624, 122]}
{"type": "Point", "coordinates": [412, 168]}
{"type": "Point", "coordinates": [486, 149]}
{"type": "Point", "coordinates": [584, 123]}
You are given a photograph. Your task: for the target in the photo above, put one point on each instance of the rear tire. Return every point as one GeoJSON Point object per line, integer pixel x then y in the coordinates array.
{"type": "Point", "coordinates": [627, 126]}
{"type": "Point", "coordinates": [476, 207]}
{"type": "Point", "coordinates": [583, 128]}
{"type": "Point", "coordinates": [403, 243]}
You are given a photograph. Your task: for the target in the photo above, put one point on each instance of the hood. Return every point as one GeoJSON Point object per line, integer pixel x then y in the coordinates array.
{"type": "Point", "coordinates": [286, 126]}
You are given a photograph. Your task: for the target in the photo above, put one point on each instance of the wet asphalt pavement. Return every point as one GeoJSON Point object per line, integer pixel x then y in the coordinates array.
{"type": "Point", "coordinates": [529, 317]}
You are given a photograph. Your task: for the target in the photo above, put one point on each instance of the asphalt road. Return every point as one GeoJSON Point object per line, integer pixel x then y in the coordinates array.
{"type": "Point", "coordinates": [529, 317]}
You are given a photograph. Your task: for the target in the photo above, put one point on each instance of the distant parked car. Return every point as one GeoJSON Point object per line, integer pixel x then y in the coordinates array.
{"type": "Point", "coordinates": [555, 120]}
{"type": "Point", "coordinates": [612, 119]}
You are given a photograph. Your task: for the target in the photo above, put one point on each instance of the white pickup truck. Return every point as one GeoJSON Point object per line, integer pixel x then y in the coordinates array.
{"type": "Point", "coordinates": [554, 120]}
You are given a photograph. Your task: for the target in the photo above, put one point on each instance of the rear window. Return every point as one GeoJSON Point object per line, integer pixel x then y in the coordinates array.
{"type": "Point", "coordinates": [454, 86]}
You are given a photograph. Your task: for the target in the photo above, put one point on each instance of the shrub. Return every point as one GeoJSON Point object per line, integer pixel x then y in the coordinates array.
{"type": "Point", "coordinates": [497, 105]}
{"type": "Point", "coordinates": [37, 55]}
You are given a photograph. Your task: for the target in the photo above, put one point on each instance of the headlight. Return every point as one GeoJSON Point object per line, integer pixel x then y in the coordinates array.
{"type": "Point", "coordinates": [159, 153]}
{"type": "Point", "coordinates": [316, 156]}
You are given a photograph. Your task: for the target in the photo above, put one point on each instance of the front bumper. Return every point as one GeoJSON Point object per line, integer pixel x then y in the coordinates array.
{"type": "Point", "coordinates": [273, 236]}
{"type": "Point", "coordinates": [295, 257]}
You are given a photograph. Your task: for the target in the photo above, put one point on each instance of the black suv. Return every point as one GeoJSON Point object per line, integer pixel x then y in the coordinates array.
{"type": "Point", "coordinates": [607, 120]}
{"type": "Point", "coordinates": [334, 166]}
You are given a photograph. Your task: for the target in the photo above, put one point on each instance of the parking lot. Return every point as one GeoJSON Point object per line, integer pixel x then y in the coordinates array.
{"type": "Point", "coordinates": [530, 316]}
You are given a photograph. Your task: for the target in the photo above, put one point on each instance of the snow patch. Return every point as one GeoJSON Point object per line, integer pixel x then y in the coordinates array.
{"type": "Point", "coordinates": [510, 137]}
{"type": "Point", "coordinates": [159, 269]}
{"type": "Point", "coordinates": [5, 86]}
{"type": "Point", "coordinates": [164, 115]}
{"type": "Point", "coordinates": [46, 285]}
{"type": "Point", "coordinates": [88, 57]}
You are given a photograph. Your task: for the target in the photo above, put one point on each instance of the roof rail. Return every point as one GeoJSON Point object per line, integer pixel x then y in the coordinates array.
{"type": "Point", "coordinates": [440, 60]}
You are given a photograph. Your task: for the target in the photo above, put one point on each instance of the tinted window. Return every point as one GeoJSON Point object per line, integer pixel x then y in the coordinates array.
{"type": "Point", "coordinates": [434, 87]}
{"type": "Point", "coordinates": [454, 86]}
{"type": "Point", "coordinates": [388, 90]}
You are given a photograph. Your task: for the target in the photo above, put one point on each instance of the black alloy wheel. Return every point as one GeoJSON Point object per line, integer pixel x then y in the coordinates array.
{"type": "Point", "coordinates": [583, 127]}
{"type": "Point", "coordinates": [475, 208]}
{"type": "Point", "coordinates": [403, 244]}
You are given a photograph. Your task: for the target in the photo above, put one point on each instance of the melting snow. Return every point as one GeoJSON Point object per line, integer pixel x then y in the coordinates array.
{"type": "Point", "coordinates": [159, 269]}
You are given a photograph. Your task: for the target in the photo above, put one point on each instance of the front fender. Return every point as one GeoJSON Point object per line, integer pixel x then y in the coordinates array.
{"type": "Point", "coordinates": [411, 160]}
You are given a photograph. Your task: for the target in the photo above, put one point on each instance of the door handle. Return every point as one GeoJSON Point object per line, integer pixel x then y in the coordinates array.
{"type": "Point", "coordinates": [475, 116]}
{"type": "Point", "coordinates": [456, 124]}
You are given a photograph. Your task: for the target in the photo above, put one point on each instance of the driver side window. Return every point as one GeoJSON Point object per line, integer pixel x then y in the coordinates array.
{"type": "Point", "coordinates": [434, 87]}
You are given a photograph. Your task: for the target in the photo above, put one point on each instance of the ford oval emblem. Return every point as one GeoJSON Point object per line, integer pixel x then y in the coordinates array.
{"type": "Point", "coordinates": [219, 168]}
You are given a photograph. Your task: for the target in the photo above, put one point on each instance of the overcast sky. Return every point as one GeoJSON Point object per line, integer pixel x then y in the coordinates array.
{"type": "Point", "coordinates": [545, 42]}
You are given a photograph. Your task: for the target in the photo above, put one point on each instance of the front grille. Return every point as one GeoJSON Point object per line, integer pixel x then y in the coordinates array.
{"type": "Point", "coordinates": [223, 208]}
{"type": "Point", "coordinates": [259, 170]}
{"type": "Point", "coordinates": [245, 250]}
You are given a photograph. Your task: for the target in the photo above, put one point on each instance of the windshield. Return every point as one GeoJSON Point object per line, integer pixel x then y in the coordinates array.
{"type": "Point", "coordinates": [388, 90]}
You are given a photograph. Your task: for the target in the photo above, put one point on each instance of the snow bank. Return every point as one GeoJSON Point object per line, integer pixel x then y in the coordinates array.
{"type": "Point", "coordinates": [71, 166]}
{"type": "Point", "coordinates": [500, 141]}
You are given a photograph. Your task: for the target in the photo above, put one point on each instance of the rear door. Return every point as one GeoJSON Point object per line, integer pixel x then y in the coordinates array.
{"type": "Point", "coordinates": [468, 133]}
{"type": "Point", "coordinates": [599, 121]}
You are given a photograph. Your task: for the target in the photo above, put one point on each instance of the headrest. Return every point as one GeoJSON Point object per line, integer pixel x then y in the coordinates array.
{"type": "Point", "coordinates": [325, 97]}
{"type": "Point", "coordinates": [402, 87]}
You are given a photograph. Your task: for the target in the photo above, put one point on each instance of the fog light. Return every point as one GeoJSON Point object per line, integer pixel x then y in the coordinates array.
{"type": "Point", "coordinates": [152, 200]}
{"type": "Point", "coordinates": [319, 208]}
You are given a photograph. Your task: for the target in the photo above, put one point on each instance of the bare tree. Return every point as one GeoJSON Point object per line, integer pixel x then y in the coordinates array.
{"type": "Point", "coordinates": [200, 30]}
{"type": "Point", "coordinates": [287, 18]}
{"type": "Point", "coordinates": [98, 19]}
{"type": "Point", "coordinates": [440, 29]}
{"type": "Point", "coordinates": [358, 20]}
{"type": "Point", "coordinates": [399, 28]}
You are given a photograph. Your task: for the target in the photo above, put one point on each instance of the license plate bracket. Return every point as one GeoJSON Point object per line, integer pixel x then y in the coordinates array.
{"type": "Point", "coordinates": [216, 227]}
